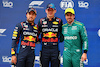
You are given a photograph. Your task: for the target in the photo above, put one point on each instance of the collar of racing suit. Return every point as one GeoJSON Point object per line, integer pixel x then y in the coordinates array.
{"type": "Point", "coordinates": [71, 23]}
{"type": "Point", "coordinates": [50, 19]}
{"type": "Point", "coordinates": [30, 23]}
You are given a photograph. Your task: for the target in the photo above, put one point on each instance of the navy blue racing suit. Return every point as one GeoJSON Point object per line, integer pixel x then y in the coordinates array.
{"type": "Point", "coordinates": [50, 30]}
{"type": "Point", "coordinates": [23, 43]}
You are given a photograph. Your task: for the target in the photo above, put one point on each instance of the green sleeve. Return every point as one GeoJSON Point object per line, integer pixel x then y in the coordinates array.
{"type": "Point", "coordinates": [84, 38]}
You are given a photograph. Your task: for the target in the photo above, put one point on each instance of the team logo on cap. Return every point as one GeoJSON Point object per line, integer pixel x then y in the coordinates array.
{"type": "Point", "coordinates": [50, 5]}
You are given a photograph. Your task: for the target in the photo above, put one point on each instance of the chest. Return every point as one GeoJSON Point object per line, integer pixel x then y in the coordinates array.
{"type": "Point", "coordinates": [50, 26]}
{"type": "Point", "coordinates": [29, 30]}
{"type": "Point", "coordinates": [71, 30]}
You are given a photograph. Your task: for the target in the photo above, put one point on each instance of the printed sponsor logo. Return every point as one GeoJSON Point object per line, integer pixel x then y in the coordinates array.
{"type": "Point", "coordinates": [7, 4]}
{"type": "Point", "coordinates": [2, 31]}
{"type": "Point", "coordinates": [50, 29]}
{"type": "Point", "coordinates": [36, 4]}
{"type": "Point", "coordinates": [50, 34]}
{"type": "Point", "coordinates": [35, 27]}
{"type": "Point", "coordinates": [83, 4]}
{"type": "Point", "coordinates": [55, 22]}
{"type": "Point", "coordinates": [44, 25]}
{"type": "Point", "coordinates": [44, 22]}
{"type": "Point", "coordinates": [29, 33]}
{"type": "Point", "coordinates": [64, 4]}
{"type": "Point", "coordinates": [29, 38]}
{"type": "Point", "coordinates": [28, 43]}
{"type": "Point", "coordinates": [74, 27]}
{"type": "Point", "coordinates": [70, 37]}
{"type": "Point", "coordinates": [54, 25]}
{"type": "Point", "coordinates": [50, 40]}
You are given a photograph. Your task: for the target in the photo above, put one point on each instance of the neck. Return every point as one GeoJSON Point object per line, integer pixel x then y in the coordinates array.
{"type": "Point", "coordinates": [30, 21]}
{"type": "Point", "coordinates": [50, 17]}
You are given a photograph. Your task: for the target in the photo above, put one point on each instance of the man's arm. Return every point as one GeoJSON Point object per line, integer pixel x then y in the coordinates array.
{"type": "Point", "coordinates": [84, 42]}
{"type": "Point", "coordinates": [15, 41]}
{"type": "Point", "coordinates": [39, 29]}
{"type": "Point", "coordinates": [61, 35]}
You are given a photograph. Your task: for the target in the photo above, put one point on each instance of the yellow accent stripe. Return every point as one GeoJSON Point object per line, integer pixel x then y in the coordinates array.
{"type": "Point", "coordinates": [64, 24]}
{"type": "Point", "coordinates": [78, 23]}
{"type": "Point", "coordinates": [14, 35]}
{"type": "Point", "coordinates": [12, 51]}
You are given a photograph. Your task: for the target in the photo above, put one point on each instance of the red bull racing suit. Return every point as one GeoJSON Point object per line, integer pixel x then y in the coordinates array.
{"type": "Point", "coordinates": [23, 43]}
{"type": "Point", "coordinates": [50, 30]}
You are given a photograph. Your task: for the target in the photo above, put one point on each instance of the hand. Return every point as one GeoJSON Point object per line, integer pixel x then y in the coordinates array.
{"type": "Point", "coordinates": [83, 57]}
{"type": "Point", "coordinates": [14, 59]}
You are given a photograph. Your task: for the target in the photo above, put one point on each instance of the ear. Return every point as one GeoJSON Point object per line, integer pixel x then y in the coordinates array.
{"type": "Point", "coordinates": [46, 10]}
{"type": "Point", "coordinates": [74, 16]}
{"type": "Point", "coordinates": [26, 14]}
{"type": "Point", "coordinates": [55, 11]}
{"type": "Point", "coordinates": [35, 16]}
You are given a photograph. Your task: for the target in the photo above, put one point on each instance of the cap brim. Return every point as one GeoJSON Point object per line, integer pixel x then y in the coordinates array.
{"type": "Point", "coordinates": [51, 8]}
{"type": "Point", "coordinates": [69, 12]}
{"type": "Point", "coordinates": [33, 11]}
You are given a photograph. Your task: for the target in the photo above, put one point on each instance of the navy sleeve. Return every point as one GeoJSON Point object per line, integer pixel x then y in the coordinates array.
{"type": "Point", "coordinates": [15, 38]}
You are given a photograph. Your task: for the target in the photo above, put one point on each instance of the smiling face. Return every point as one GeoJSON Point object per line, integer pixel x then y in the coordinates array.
{"type": "Point", "coordinates": [31, 16]}
{"type": "Point", "coordinates": [69, 17]}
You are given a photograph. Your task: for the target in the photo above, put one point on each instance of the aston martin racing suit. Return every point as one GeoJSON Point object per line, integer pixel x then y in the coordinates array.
{"type": "Point", "coordinates": [75, 37]}
{"type": "Point", "coordinates": [23, 43]}
{"type": "Point", "coordinates": [51, 35]}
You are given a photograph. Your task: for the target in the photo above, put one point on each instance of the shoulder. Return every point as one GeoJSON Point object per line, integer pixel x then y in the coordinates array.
{"type": "Point", "coordinates": [58, 19]}
{"type": "Point", "coordinates": [41, 20]}
{"type": "Point", "coordinates": [78, 23]}
{"type": "Point", "coordinates": [64, 25]}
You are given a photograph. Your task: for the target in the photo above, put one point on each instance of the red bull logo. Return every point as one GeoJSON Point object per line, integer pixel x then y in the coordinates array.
{"type": "Point", "coordinates": [50, 40]}
{"type": "Point", "coordinates": [29, 38]}
{"type": "Point", "coordinates": [50, 34]}
{"type": "Point", "coordinates": [28, 43]}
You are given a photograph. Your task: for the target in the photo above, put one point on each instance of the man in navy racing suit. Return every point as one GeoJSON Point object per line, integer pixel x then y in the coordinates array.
{"type": "Point", "coordinates": [23, 41]}
{"type": "Point", "coordinates": [50, 28]}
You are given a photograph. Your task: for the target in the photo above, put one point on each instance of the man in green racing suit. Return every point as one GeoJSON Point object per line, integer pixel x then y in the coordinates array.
{"type": "Point", "coordinates": [75, 37]}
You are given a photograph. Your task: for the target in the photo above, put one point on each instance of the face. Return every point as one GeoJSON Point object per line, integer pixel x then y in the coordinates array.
{"type": "Point", "coordinates": [31, 16]}
{"type": "Point", "coordinates": [50, 12]}
{"type": "Point", "coordinates": [69, 17]}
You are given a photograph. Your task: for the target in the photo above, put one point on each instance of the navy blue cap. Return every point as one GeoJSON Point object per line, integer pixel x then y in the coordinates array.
{"type": "Point", "coordinates": [31, 9]}
{"type": "Point", "coordinates": [51, 5]}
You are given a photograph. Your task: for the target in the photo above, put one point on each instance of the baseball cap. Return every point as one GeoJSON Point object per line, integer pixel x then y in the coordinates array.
{"type": "Point", "coordinates": [51, 5]}
{"type": "Point", "coordinates": [70, 10]}
{"type": "Point", "coordinates": [31, 9]}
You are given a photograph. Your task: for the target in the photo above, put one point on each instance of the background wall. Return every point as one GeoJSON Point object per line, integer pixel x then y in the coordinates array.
{"type": "Point", "coordinates": [14, 11]}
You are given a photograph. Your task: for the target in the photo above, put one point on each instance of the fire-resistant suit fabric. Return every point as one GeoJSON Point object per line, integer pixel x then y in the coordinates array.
{"type": "Point", "coordinates": [23, 43]}
{"type": "Point", "coordinates": [50, 30]}
{"type": "Point", "coordinates": [75, 38]}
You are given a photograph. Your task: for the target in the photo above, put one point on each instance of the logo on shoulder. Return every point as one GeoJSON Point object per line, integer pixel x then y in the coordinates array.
{"type": "Point", "coordinates": [55, 22]}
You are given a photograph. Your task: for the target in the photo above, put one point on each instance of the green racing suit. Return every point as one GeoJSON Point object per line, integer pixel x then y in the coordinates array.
{"type": "Point", "coordinates": [75, 38]}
